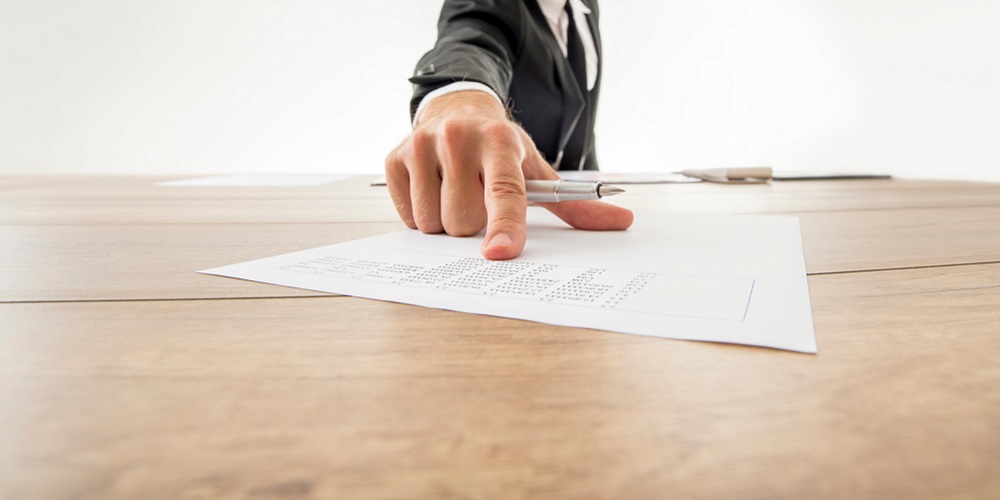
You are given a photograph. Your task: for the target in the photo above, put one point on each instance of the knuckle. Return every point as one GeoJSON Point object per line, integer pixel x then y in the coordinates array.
{"type": "Point", "coordinates": [500, 133]}
{"type": "Point", "coordinates": [467, 222]}
{"type": "Point", "coordinates": [422, 142]}
{"type": "Point", "coordinates": [454, 133]}
{"type": "Point", "coordinates": [504, 142]}
{"type": "Point", "coordinates": [504, 187]}
{"type": "Point", "coordinates": [392, 161]}
{"type": "Point", "coordinates": [421, 135]}
{"type": "Point", "coordinates": [427, 222]}
{"type": "Point", "coordinates": [429, 226]}
{"type": "Point", "coordinates": [465, 227]}
{"type": "Point", "coordinates": [505, 220]}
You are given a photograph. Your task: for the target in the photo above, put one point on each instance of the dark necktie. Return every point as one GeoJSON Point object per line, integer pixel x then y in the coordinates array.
{"type": "Point", "coordinates": [573, 155]}
{"type": "Point", "coordinates": [575, 52]}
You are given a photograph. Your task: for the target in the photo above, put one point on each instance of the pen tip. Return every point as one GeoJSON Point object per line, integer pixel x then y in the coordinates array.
{"type": "Point", "coordinates": [610, 190]}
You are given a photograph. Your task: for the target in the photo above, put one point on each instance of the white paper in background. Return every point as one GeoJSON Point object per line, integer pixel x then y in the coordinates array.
{"type": "Point", "coordinates": [737, 279]}
{"type": "Point", "coordinates": [257, 181]}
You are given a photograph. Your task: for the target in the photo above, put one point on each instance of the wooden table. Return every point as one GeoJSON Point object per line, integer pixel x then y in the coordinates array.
{"type": "Point", "coordinates": [124, 374]}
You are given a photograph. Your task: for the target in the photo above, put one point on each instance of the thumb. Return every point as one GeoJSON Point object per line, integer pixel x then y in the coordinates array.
{"type": "Point", "coordinates": [590, 214]}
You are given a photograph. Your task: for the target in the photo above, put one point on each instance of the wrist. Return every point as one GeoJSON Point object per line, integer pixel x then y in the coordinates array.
{"type": "Point", "coordinates": [462, 104]}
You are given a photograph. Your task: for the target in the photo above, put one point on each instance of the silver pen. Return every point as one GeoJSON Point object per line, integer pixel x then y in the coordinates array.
{"type": "Point", "coordinates": [560, 190]}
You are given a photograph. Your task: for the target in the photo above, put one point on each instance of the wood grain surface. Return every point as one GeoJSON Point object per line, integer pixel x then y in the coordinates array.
{"type": "Point", "coordinates": [350, 398]}
{"type": "Point", "coordinates": [137, 200]}
{"type": "Point", "coordinates": [149, 261]}
{"type": "Point", "coordinates": [123, 374]}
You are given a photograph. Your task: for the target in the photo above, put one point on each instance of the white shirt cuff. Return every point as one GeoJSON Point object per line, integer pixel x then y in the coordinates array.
{"type": "Point", "coordinates": [450, 88]}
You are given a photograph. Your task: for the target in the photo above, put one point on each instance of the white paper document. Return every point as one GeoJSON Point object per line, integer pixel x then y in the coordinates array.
{"type": "Point", "coordinates": [737, 279]}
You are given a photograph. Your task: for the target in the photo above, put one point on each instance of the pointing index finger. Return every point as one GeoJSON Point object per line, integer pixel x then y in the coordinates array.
{"type": "Point", "coordinates": [506, 202]}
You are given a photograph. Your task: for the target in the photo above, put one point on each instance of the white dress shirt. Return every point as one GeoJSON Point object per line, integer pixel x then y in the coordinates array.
{"type": "Point", "coordinates": [555, 13]}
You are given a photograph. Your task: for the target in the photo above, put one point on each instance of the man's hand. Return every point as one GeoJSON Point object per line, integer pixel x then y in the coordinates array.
{"type": "Point", "coordinates": [463, 168]}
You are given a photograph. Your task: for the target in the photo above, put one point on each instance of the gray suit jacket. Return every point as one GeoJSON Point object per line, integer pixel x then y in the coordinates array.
{"type": "Point", "coordinates": [508, 46]}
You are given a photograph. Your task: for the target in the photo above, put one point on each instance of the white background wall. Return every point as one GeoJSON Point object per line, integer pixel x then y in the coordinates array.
{"type": "Point", "coordinates": [909, 87]}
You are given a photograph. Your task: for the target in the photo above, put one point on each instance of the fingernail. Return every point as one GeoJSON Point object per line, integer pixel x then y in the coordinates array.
{"type": "Point", "coordinates": [499, 240]}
